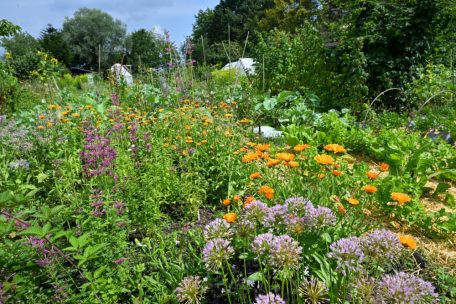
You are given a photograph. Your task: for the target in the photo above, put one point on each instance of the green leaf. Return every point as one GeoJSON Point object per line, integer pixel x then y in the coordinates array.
{"type": "Point", "coordinates": [42, 177]}
{"type": "Point", "coordinates": [255, 277]}
{"type": "Point", "coordinates": [33, 230]}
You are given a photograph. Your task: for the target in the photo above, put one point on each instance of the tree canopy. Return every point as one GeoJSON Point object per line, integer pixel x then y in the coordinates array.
{"type": "Point", "coordinates": [90, 29]}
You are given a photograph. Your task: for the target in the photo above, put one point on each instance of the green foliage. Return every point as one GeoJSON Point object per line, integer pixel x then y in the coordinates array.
{"type": "Point", "coordinates": [300, 55]}
{"type": "Point", "coordinates": [21, 50]}
{"type": "Point", "coordinates": [146, 50]}
{"type": "Point", "coordinates": [53, 43]}
{"type": "Point", "coordinates": [8, 28]}
{"type": "Point", "coordinates": [90, 29]}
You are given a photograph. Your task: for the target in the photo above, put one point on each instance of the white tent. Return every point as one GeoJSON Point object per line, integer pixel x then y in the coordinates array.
{"type": "Point", "coordinates": [122, 74]}
{"type": "Point", "coordinates": [243, 66]}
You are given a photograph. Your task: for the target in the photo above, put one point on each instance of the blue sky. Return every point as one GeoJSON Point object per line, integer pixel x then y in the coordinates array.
{"type": "Point", "coordinates": [176, 16]}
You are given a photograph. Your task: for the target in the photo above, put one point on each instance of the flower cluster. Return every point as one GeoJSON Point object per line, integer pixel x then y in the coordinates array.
{"type": "Point", "coordinates": [218, 228]}
{"type": "Point", "coordinates": [190, 290]}
{"type": "Point", "coordinates": [269, 298]}
{"type": "Point", "coordinates": [216, 252]}
{"type": "Point", "coordinates": [380, 247]}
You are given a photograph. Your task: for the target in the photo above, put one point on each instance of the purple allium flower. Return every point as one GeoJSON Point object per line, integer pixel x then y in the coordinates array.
{"type": "Point", "coordinates": [321, 217]}
{"type": "Point", "coordinates": [298, 206]}
{"type": "Point", "coordinates": [256, 211]}
{"type": "Point", "coordinates": [295, 225]}
{"type": "Point", "coordinates": [218, 228]}
{"type": "Point", "coordinates": [190, 290]}
{"type": "Point", "coordinates": [261, 245]}
{"type": "Point", "coordinates": [381, 245]}
{"type": "Point", "coordinates": [348, 254]}
{"type": "Point", "coordinates": [244, 228]}
{"type": "Point", "coordinates": [269, 298]}
{"type": "Point", "coordinates": [191, 151]}
{"type": "Point", "coordinates": [216, 252]}
{"type": "Point", "coordinates": [119, 260]}
{"type": "Point", "coordinates": [285, 253]}
{"type": "Point", "coordinates": [405, 287]}
{"type": "Point", "coordinates": [275, 216]}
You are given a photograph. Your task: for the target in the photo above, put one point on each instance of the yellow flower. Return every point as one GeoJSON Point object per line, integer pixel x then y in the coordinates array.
{"type": "Point", "coordinates": [246, 121]}
{"type": "Point", "coordinates": [40, 127]}
{"type": "Point", "coordinates": [352, 201]}
{"type": "Point", "coordinates": [42, 116]}
{"type": "Point", "coordinates": [401, 198]}
{"type": "Point", "coordinates": [76, 115]}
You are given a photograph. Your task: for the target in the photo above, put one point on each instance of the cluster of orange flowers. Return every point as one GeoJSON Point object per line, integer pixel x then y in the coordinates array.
{"type": "Point", "coordinates": [324, 159]}
{"type": "Point", "coordinates": [401, 198]}
{"type": "Point", "coordinates": [267, 191]}
{"type": "Point", "coordinates": [335, 148]}
{"type": "Point", "coordinates": [408, 241]}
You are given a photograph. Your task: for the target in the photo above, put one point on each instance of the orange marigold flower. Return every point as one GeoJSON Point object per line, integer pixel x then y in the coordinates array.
{"type": "Point", "coordinates": [370, 189]}
{"type": "Point", "coordinates": [341, 209]}
{"type": "Point", "coordinates": [301, 147]}
{"type": "Point", "coordinates": [255, 175]}
{"type": "Point", "coordinates": [401, 198]}
{"type": "Point", "coordinates": [267, 191]}
{"type": "Point", "coordinates": [293, 164]}
{"type": "Point", "coordinates": [250, 144]}
{"type": "Point", "coordinates": [187, 127]}
{"type": "Point", "coordinates": [336, 166]}
{"type": "Point", "coordinates": [336, 172]}
{"type": "Point", "coordinates": [249, 157]}
{"type": "Point", "coordinates": [352, 201]}
{"type": "Point", "coordinates": [50, 124]}
{"type": "Point", "coordinates": [321, 176]}
{"type": "Point", "coordinates": [408, 241]}
{"type": "Point", "coordinates": [384, 167]}
{"type": "Point", "coordinates": [237, 198]}
{"type": "Point", "coordinates": [285, 156]}
{"type": "Point", "coordinates": [262, 147]}
{"type": "Point", "coordinates": [324, 159]}
{"type": "Point", "coordinates": [226, 202]}
{"type": "Point", "coordinates": [42, 116]}
{"type": "Point", "coordinates": [335, 148]}
{"type": "Point", "coordinates": [272, 162]}
{"type": "Point", "coordinates": [230, 217]}
{"type": "Point", "coordinates": [372, 174]}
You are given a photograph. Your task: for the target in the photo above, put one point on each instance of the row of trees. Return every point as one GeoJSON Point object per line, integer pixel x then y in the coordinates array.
{"type": "Point", "coordinates": [363, 46]}
{"type": "Point", "coordinates": [84, 39]}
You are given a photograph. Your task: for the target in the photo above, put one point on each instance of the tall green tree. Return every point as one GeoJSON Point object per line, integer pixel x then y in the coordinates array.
{"type": "Point", "coordinates": [146, 49]}
{"type": "Point", "coordinates": [87, 30]}
{"type": "Point", "coordinates": [7, 28]}
{"type": "Point", "coordinates": [230, 20]}
{"type": "Point", "coordinates": [53, 43]}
